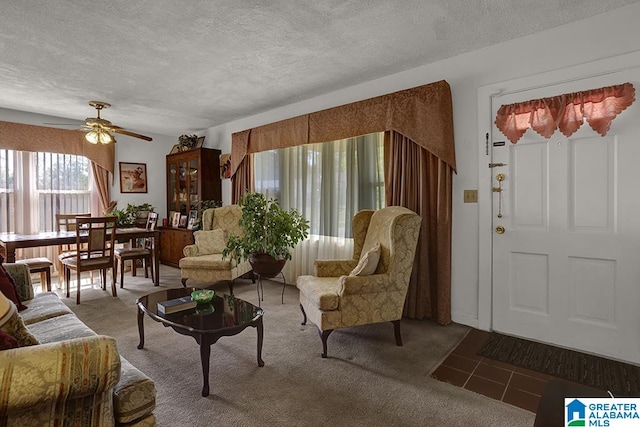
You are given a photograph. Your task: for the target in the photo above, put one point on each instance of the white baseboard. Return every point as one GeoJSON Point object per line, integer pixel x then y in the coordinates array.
{"type": "Point", "coordinates": [464, 319]}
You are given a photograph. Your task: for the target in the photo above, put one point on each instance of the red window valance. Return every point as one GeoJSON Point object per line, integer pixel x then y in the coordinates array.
{"type": "Point", "coordinates": [565, 112]}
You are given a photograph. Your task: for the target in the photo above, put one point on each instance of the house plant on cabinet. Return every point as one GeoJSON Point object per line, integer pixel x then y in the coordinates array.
{"type": "Point", "coordinates": [270, 232]}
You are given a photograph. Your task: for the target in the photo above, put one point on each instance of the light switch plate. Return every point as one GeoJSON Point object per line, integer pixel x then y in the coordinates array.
{"type": "Point", "coordinates": [471, 196]}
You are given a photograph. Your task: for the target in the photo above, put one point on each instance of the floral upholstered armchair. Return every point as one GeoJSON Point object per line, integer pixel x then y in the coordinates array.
{"type": "Point", "coordinates": [203, 261]}
{"type": "Point", "coordinates": [370, 287]}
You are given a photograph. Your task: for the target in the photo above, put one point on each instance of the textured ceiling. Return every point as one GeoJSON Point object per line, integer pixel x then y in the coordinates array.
{"type": "Point", "coordinates": [170, 66]}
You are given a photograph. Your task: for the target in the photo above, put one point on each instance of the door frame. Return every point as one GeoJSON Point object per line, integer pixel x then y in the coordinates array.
{"type": "Point", "coordinates": [486, 95]}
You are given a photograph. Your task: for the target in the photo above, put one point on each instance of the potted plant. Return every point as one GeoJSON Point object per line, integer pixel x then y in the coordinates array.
{"type": "Point", "coordinates": [270, 232]}
{"type": "Point", "coordinates": [132, 215]}
{"type": "Point", "coordinates": [141, 213]}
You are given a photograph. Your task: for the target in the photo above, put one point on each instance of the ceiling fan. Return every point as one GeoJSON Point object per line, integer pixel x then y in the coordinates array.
{"type": "Point", "coordinates": [98, 129]}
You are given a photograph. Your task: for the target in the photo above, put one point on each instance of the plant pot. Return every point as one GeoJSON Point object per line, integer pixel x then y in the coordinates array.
{"type": "Point", "coordinates": [265, 265]}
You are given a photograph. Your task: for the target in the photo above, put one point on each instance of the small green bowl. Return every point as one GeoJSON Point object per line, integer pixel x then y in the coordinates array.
{"type": "Point", "coordinates": [202, 296]}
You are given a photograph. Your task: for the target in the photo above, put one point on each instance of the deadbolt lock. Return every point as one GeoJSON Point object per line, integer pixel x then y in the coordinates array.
{"type": "Point", "coordinates": [500, 229]}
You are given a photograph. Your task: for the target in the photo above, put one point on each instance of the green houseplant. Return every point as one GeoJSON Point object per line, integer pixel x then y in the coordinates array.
{"type": "Point", "coordinates": [270, 232]}
{"type": "Point", "coordinates": [132, 215]}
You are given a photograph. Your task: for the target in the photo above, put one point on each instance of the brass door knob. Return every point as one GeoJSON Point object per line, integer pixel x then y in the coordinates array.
{"type": "Point", "coordinates": [500, 229]}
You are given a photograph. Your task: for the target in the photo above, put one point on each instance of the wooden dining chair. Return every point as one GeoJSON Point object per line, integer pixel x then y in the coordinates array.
{"type": "Point", "coordinates": [66, 222]}
{"type": "Point", "coordinates": [96, 254]}
{"type": "Point", "coordinates": [144, 253]}
{"type": "Point", "coordinates": [40, 265]}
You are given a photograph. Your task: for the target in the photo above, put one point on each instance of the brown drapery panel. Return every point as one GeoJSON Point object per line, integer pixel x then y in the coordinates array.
{"type": "Point", "coordinates": [101, 178]}
{"type": "Point", "coordinates": [21, 137]}
{"type": "Point", "coordinates": [565, 112]}
{"type": "Point", "coordinates": [243, 179]}
{"type": "Point", "coordinates": [420, 181]}
{"type": "Point", "coordinates": [423, 114]}
{"type": "Point", "coordinates": [420, 118]}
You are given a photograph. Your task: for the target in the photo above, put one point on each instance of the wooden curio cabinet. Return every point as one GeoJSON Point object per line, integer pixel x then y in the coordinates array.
{"type": "Point", "coordinates": [192, 176]}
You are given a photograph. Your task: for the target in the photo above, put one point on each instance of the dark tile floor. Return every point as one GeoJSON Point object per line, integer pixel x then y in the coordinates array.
{"type": "Point", "coordinates": [508, 383]}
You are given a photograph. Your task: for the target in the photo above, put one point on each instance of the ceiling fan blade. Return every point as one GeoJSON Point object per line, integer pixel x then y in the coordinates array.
{"type": "Point", "coordinates": [62, 124]}
{"type": "Point", "coordinates": [117, 129]}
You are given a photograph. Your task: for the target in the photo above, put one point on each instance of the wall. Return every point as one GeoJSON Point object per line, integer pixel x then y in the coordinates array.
{"type": "Point", "coordinates": [132, 150]}
{"type": "Point", "coordinates": [129, 150]}
{"type": "Point", "coordinates": [603, 36]}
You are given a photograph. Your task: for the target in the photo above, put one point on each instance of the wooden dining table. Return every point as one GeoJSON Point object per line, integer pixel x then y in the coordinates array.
{"type": "Point", "coordinates": [12, 241]}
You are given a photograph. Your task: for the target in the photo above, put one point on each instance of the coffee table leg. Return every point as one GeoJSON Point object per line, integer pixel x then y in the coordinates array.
{"type": "Point", "coordinates": [260, 337]}
{"type": "Point", "coordinates": [205, 352]}
{"type": "Point", "coordinates": [141, 327]}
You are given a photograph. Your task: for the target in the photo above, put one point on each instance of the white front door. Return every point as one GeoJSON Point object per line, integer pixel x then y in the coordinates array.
{"type": "Point", "coordinates": [566, 270]}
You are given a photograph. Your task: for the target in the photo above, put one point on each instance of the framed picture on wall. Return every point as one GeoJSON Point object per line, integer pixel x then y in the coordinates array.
{"type": "Point", "coordinates": [133, 177]}
{"type": "Point", "coordinates": [225, 166]}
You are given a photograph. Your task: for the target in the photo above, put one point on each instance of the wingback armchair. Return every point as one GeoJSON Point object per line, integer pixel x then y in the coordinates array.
{"type": "Point", "coordinates": [203, 260]}
{"type": "Point", "coordinates": [370, 287]}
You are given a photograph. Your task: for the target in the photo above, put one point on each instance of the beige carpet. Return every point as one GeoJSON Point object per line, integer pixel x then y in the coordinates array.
{"type": "Point", "coordinates": [366, 381]}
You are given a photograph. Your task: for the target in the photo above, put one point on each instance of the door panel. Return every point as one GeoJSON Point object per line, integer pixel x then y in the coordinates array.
{"type": "Point", "coordinates": [567, 269]}
{"type": "Point", "coordinates": [529, 195]}
{"type": "Point", "coordinates": [591, 186]}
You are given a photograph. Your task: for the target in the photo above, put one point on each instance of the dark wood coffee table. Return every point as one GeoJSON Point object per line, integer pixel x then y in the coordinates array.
{"type": "Point", "coordinates": [226, 316]}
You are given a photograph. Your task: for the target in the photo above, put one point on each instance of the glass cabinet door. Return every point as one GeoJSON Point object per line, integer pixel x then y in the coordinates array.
{"type": "Point", "coordinates": [173, 188]}
{"type": "Point", "coordinates": [183, 187]}
{"type": "Point", "coordinates": [193, 184]}
{"type": "Point", "coordinates": [190, 179]}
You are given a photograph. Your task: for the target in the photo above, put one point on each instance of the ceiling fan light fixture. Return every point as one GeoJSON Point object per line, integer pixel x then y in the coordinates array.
{"type": "Point", "coordinates": [99, 135]}
{"type": "Point", "coordinates": [98, 130]}
{"type": "Point", "coordinates": [92, 137]}
{"type": "Point", "coordinates": [106, 138]}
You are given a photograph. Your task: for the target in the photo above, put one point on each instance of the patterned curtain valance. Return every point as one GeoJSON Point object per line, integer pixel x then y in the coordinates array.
{"type": "Point", "coordinates": [424, 114]}
{"type": "Point", "coordinates": [565, 112]}
{"type": "Point", "coordinates": [21, 137]}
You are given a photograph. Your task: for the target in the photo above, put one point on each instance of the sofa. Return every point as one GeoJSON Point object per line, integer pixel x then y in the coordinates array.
{"type": "Point", "coordinates": [73, 376]}
{"type": "Point", "coordinates": [203, 261]}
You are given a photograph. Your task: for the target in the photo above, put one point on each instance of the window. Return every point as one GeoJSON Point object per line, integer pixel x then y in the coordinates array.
{"type": "Point", "coordinates": [42, 184]}
{"type": "Point", "coordinates": [7, 195]}
{"type": "Point", "coordinates": [62, 185]}
{"type": "Point", "coordinates": [328, 184]}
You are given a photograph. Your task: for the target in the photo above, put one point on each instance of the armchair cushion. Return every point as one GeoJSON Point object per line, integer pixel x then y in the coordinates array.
{"type": "Point", "coordinates": [212, 261]}
{"type": "Point", "coordinates": [368, 262]}
{"type": "Point", "coordinates": [322, 292]}
{"type": "Point", "coordinates": [210, 241]}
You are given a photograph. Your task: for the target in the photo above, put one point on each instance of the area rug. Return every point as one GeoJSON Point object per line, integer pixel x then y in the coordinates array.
{"type": "Point", "coordinates": [619, 378]}
{"type": "Point", "coordinates": [367, 381]}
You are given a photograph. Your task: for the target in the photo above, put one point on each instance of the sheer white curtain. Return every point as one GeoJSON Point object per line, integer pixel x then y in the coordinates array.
{"type": "Point", "coordinates": [327, 183]}
{"type": "Point", "coordinates": [37, 186]}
